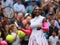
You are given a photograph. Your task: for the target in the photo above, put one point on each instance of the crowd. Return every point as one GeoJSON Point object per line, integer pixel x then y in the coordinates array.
{"type": "Point", "coordinates": [24, 12]}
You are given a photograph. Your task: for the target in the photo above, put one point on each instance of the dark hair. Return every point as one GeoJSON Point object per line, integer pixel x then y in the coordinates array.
{"type": "Point", "coordinates": [33, 15]}
{"type": "Point", "coordinates": [53, 31]}
{"type": "Point", "coordinates": [5, 29]}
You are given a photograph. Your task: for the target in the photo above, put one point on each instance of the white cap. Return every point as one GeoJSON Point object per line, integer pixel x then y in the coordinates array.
{"type": "Point", "coordinates": [27, 14]}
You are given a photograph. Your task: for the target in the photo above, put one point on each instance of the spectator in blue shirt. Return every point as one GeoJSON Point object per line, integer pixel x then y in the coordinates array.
{"type": "Point", "coordinates": [30, 8]}
{"type": "Point", "coordinates": [18, 7]}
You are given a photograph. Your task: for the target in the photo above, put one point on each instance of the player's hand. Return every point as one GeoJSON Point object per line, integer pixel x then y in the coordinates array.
{"type": "Point", "coordinates": [38, 27]}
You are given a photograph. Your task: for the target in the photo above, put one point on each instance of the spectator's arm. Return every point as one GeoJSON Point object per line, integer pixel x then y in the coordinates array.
{"type": "Point", "coordinates": [43, 3]}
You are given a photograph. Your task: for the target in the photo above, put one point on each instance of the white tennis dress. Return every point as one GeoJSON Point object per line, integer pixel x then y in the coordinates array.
{"type": "Point", "coordinates": [37, 36]}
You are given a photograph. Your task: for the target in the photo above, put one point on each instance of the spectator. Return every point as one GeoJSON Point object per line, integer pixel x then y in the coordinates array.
{"type": "Point", "coordinates": [53, 38]}
{"type": "Point", "coordinates": [26, 26]}
{"type": "Point", "coordinates": [6, 3]}
{"type": "Point", "coordinates": [50, 17]}
{"type": "Point", "coordinates": [58, 18]}
{"type": "Point", "coordinates": [52, 27]}
{"type": "Point", "coordinates": [58, 42]}
{"type": "Point", "coordinates": [51, 10]}
{"type": "Point", "coordinates": [15, 34]}
{"type": "Point", "coordinates": [18, 22]}
{"type": "Point", "coordinates": [6, 31]}
{"type": "Point", "coordinates": [18, 7]}
{"type": "Point", "coordinates": [30, 8]}
{"type": "Point", "coordinates": [28, 17]}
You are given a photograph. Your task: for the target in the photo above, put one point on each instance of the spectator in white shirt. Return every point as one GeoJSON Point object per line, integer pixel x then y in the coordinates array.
{"type": "Point", "coordinates": [18, 7]}
{"type": "Point", "coordinates": [58, 42]}
{"type": "Point", "coordinates": [53, 38]}
{"type": "Point", "coordinates": [6, 3]}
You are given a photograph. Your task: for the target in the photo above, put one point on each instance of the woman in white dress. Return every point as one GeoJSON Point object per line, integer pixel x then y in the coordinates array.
{"type": "Point", "coordinates": [37, 36]}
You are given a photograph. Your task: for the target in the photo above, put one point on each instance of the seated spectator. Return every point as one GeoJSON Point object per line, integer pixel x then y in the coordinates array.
{"type": "Point", "coordinates": [30, 8]}
{"type": "Point", "coordinates": [52, 27]}
{"type": "Point", "coordinates": [15, 34]}
{"type": "Point", "coordinates": [28, 17]}
{"type": "Point", "coordinates": [51, 10]}
{"type": "Point", "coordinates": [6, 3]}
{"type": "Point", "coordinates": [18, 7]}
{"type": "Point", "coordinates": [50, 17]}
{"type": "Point", "coordinates": [6, 31]}
{"type": "Point", "coordinates": [26, 26]}
{"type": "Point", "coordinates": [58, 18]}
{"type": "Point", "coordinates": [19, 19]}
{"type": "Point", "coordinates": [58, 42]}
{"type": "Point", "coordinates": [53, 38]}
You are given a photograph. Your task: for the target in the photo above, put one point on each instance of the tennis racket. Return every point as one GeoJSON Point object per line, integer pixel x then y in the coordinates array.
{"type": "Point", "coordinates": [8, 12]}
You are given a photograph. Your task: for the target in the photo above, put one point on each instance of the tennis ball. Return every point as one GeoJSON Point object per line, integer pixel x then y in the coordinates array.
{"type": "Point", "coordinates": [21, 34]}
{"type": "Point", "coordinates": [10, 38]}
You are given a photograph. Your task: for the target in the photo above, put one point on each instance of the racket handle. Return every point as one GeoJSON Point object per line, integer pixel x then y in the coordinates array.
{"type": "Point", "coordinates": [16, 24]}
